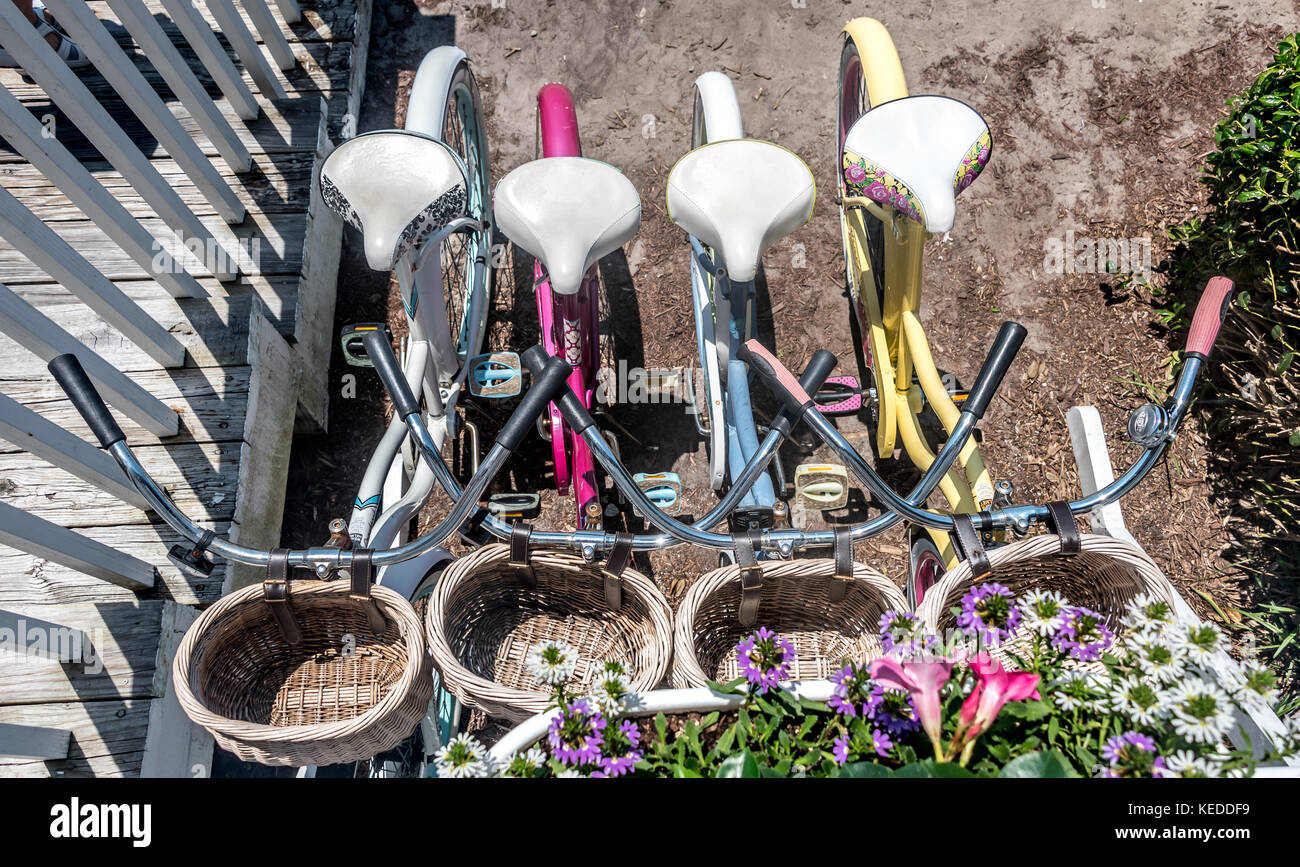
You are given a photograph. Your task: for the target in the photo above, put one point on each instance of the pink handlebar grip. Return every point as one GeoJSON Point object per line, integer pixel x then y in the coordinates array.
{"type": "Point", "coordinates": [1210, 313]}
{"type": "Point", "coordinates": [777, 371]}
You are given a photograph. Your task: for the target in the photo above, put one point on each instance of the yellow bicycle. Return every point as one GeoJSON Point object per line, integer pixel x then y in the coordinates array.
{"type": "Point", "coordinates": [903, 160]}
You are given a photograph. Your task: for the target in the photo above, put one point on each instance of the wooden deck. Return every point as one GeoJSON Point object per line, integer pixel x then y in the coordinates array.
{"type": "Point", "coordinates": [257, 352]}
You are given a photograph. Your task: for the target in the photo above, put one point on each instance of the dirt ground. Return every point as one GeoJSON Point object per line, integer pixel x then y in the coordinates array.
{"type": "Point", "coordinates": [1100, 117]}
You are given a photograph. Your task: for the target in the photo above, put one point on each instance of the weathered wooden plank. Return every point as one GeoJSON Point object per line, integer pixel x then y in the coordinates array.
{"type": "Point", "coordinates": [26, 635]}
{"type": "Point", "coordinates": [212, 403]}
{"type": "Point", "coordinates": [289, 11]}
{"type": "Point", "coordinates": [60, 169]}
{"type": "Point", "coordinates": [268, 31]}
{"type": "Point", "coordinates": [201, 479]}
{"type": "Point", "coordinates": [118, 663]}
{"type": "Point", "coordinates": [108, 738]}
{"type": "Point", "coordinates": [327, 20]}
{"type": "Point", "coordinates": [33, 743]}
{"type": "Point", "coordinates": [280, 187]}
{"type": "Point", "coordinates": [29, 431]}
{"type": "Point", "coordinates": [238, 33]}
{"type": "Point", "coordinates": [50, 253]}
{"type": "Point", "coordinates": [94, 121]}
{"type": "Point", "coordinates": [25, 578]}
{"type": "Point", "coordinates": [144, 102]}
{"type": "Point", "coordinates": [46, 339]}
{"type": "Point", "coordinates": [175, 746]}
{"type": "Point", "coordinates": [184, 15]}
{"type": "Point", "coordinates": [180, 80]}
{"type": "Point", "coordinates": [262, 244]}
{"type": "Point", "coordinates": [41, 538]}
{"type": "Point", "coordinates": [284, 126]}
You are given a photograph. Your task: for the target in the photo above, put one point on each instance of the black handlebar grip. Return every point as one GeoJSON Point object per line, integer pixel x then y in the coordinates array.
{"type": "Point", "coordinates": [999, 359]}
{"type": "Point", "coordinates": [813, 377]}
{"type": "Point", "coordinates": [778, 380]}
{"type": "Point", "coordinates": [72, 378]}
{"type": "Point", "coordinates": [380, 352]}
{"type": "Point", "coordinates": [549, 378]}
{"type": "Point", "coordinates": [575, 414]}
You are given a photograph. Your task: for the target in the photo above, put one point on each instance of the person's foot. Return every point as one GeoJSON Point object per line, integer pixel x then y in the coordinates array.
{"type": "Point", "coordinates": [69, 51]}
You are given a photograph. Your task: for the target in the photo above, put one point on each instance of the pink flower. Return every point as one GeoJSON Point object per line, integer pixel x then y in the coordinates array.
{"type": "Point", "coordinates": [994, 687]}
{"type": "Point", "coordinates": [921, 680]}
{"type": "Point", "coordinates": [855, 173]}
{"type": "Point", "coordinates": [879, 192]}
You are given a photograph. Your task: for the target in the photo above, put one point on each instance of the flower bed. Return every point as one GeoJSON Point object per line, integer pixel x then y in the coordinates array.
{"type": "Point", "coordinates": [1001, 695]}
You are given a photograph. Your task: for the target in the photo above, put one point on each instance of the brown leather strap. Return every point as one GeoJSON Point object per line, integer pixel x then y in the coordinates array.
{"type": "Point", "coordinates": [970, 548]}
{"type": "Point", "coordinates": [520, 533]}
{"type": "Point", "coordinates": [363, 575]}
{"type": "Point", "coordinates": [751, 576]}
{"type": "Point", "coordinates": [275, 592]}
{"type": "Point", "coordinates": [1061, 521]}
{"type": "Point", "coordinates": [619, 557]}
{"type": "Point", "coordinates": [843, 563]}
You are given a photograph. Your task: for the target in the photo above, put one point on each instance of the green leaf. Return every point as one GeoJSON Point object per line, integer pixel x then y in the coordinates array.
{"type": "Point", "coordinates": [1043, 764]}
{"type": "Point", "coordinates": [680, 772]}
{"type": "Point", "coordinates": [742, 764]}
{"type": "Point", "coordinates": [1285, 362]}
{"type": "Point", "coordinates": [863, 770]}
{"type": "Point", "coordinates": [931, 768]}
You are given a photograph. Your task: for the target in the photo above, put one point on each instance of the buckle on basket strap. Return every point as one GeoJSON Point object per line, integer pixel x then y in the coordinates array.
{"type": "Point", "coordinates": [843, 563]}
{"type": "Point", "coordinates": [969, 547]}
{"type": "Point", "coordinates": [619, 556]}
{"type": "Point", "coordinates": [1061, 522]}
{"type": "Point", "coordinates": [275, 593]}
{"type": "Point", "coordinates": [363, 575]}
{"type": "Point", "coordinates": [519, 560]}
{"type": "Point", "coordinates": [751, 576]}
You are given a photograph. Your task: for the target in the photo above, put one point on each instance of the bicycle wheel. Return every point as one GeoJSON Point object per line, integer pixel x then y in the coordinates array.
{"type": "Point", "coordinates": [466, 256]}
{"type": "Point", "coordinates": [854, 101]}
{"type": "Point", "coordinates": [925, 568]}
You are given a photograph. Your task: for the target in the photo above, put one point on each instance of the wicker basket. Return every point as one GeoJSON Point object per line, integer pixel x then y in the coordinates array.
{"type": "Point", "coordinates": [484, 617]}
{"type": "Point", "coordinates": [342, 694]}
{"type": "Point", "coordinates": [796, 602]}
{"type": "Point", "coordinates": [1104, 575]}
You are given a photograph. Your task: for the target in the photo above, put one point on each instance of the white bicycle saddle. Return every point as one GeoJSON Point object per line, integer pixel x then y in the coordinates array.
{"type": "Point", "coordinates": [567, 212]}
{"type": "Point", "coordinates": [916, 154]}
{"type": "Point", "coordinates": [740, 197]}
{"type": "Point", "coordinates": [396, 187]}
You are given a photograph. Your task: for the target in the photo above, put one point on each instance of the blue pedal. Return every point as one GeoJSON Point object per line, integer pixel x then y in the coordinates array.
{"type": "Point", "coordinates": [495, 375]}
{"type": "Point", "coordinates": [662, 489]}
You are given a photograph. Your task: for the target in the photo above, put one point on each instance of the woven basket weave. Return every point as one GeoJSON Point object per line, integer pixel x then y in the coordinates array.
{"type": "Point", "coordinates": [1105, 575]}
{"type": "Point", "coordinates": [329, 699]}
{"type": "Point", "coordinates": [796, 603]}
{"type": "Point", "coordinates": [483, 619]}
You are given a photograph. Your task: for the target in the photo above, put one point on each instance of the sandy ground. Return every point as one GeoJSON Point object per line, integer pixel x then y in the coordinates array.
{"type": "Point", "coordinates": [1100, 120]}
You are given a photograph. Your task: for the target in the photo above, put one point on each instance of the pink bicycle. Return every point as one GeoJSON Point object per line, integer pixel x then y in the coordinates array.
{"type": "Point", "coordinates": [568, 212]}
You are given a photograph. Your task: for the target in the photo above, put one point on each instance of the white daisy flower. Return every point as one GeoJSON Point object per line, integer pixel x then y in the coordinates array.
{"type": "Point", "coordinates": [570, 773]}
{"type": "Point", "coordinates": [1078, 690]}
{"type": "Point", "coordinates": [1138, 700]}
{"type": "Point", "coordinates": [1186, 763]}
{"type": "Point", "coordinates": [1043, 611]}
{"type": "Point", "coordinates": [1155, 657]}
{"type": "Point", "coordinates": [1202, 712]}
{"type": "Point", "coordinates": [1146, 613]}
{"type": "Point", "coordinates": [1199, 643]}
{"type": "Point", "coordinates": [523, 765]}
{"type": "Point", "coordinates": [1254, 684]}
{"type": "Point", "coordinates": [610, 690]}
{"type": "Point", "coordinates": [552, 662]}
{"type": "Point", "coordinates": [464, 756]}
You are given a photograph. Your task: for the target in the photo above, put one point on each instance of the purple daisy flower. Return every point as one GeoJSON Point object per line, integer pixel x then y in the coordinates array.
{"type": "Point", "coordinates": [853, 687]}
{"type": "Point", "coordinates": [1132, 754]}
{"type": "Point", "coordinates": [764, 659]}
{"type": "Point", "coordinates": [1083, 634]}
{"type": "Point", "coordinates": [576, 735]}
{"type": "Point", "coordinates": [989, 612]}
{"type": "Point", "coordinates": [893, 711]}
{"type": "Point", "coordinates": [902, 634]}
{"type": "Point", "coordinates": [620, 753]}
{"type": "Point", "coordinates": [880, 740]}
{"type": "Point", "coordinates": [840, 749]}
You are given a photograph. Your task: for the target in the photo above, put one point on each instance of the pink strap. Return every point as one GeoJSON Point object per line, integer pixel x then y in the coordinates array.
{"type": "Point", "coordinates": [1210, 313]}
{"type": "Point", "coordinates": [783, 376]}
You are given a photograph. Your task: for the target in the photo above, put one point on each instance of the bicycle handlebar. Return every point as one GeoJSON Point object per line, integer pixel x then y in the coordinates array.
{"type": "Point", "coordinates": [1211, 310]}
{"type": "Point", "coordinates": [1010, 337]}
{"type": "Point", "coordinates": [72, 378]}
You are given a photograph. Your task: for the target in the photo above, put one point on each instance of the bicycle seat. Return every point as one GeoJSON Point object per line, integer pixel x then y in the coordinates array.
{"type": "Point", "coordinates": [567, 212]}
{"type": "Point", "coordinates": [916, 154]}
{"type": "Point", "coordinates": [396, 187]}
{"type": "Point", "coordinates": [740, 197]}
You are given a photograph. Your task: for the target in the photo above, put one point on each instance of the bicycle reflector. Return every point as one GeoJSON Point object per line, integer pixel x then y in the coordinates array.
{"type": "Point", "coordinates": [513, 505]}
{"type": "Point", "coordinates": [495, 375]}
{"type": "Point", "coordinates": [353, 343]}
{"type": "Point", "coordinates": [822, 486]}
{"type": "Point", "coordinates": [662, 489]}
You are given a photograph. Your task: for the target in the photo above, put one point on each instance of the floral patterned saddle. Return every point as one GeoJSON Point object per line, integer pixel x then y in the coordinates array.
{"type": "Point", "coordinates": [915, 155]}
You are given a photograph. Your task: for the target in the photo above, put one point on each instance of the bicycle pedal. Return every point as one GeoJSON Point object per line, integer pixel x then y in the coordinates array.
{"type": "Point", "coordinates": [354, 347]}
{"type": "Point", "coordinates": [662, 489]}
{"type": "Point", "coordinates": [822, 486]}
{"type": "Point", "coordinates": [839, 395]}
{"type": "Point", "coordinates": [190, 561]}
{"type": "Point", "coordinates": [495, 375]}
{"type": "Point", "coordinates": [513, 505]}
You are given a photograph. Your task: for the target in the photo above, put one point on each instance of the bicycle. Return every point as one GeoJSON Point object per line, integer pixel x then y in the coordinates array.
{"type": "Point", "coordinates": [903, 161]}
{"type": "Point", "coordinates": [568, 212]}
